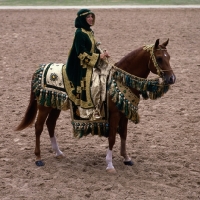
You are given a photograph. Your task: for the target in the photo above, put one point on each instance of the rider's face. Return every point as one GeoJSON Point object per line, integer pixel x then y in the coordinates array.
{"type": "Point", "coordinates": [90, 19]}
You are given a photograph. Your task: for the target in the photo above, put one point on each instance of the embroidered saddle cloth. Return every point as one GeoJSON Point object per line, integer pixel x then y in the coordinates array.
{"type": "Point", "coordinates": [52, 76]}
{"type": "Point", "coordinates": [48, 86]}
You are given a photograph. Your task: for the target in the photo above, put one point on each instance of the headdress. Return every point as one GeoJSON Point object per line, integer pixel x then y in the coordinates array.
{"type": "Point", "coordinates": [80, 21]}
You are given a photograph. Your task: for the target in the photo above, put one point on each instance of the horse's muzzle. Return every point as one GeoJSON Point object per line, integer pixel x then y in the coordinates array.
{"type": "Point", "coordinates": [169, 79]}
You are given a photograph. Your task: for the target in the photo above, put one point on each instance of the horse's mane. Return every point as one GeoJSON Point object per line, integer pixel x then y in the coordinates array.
{"type": "Point", "coordinates": [130, 55]}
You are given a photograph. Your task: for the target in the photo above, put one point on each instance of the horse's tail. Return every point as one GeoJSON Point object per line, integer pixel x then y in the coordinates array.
{"type": "Point", "coordinates": [30, 114]}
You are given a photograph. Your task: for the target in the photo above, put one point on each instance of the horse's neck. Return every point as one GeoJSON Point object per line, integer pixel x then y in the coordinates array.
{"type": "Point", "coordinates": [135, 63]}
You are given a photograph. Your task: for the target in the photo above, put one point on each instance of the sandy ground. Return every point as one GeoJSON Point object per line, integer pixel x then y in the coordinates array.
{"type": "Point", "coordinates": [165, 146]}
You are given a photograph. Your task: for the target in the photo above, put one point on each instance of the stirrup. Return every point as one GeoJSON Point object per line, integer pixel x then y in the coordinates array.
{"type": "Point", "coordinates": [96, 115]}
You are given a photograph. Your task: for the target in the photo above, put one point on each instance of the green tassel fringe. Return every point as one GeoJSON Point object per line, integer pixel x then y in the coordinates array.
{"type": "Point", "coordinates": [149, 88]}
{"type": "Point", "coordinates": [81, 129]}
{"type": "Point", "coordinates": [123, 104]}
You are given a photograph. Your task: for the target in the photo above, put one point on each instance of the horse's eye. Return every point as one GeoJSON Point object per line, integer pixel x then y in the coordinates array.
{"type": "Point", "coordinates": [159, 59]}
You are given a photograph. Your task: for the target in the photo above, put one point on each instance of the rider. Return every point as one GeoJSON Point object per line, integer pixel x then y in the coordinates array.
{"type": "Point", "coordinates": [83, 58]}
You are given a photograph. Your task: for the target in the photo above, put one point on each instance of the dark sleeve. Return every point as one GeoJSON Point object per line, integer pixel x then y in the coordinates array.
{"type": "Point", "coordinates": [83, 45]}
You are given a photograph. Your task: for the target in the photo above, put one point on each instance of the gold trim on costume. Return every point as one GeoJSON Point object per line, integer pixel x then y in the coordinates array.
{"type": "Point", "coordinates": [69, 89]}
{"type": "Point", "coordinates": [91, 36]}
{"type": "Point", "coordinates": [87, 60]}
{"type": "Point", "coordinates": [93, 59]}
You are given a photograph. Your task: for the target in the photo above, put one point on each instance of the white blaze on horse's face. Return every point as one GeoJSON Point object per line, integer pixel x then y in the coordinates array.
{"type": "Point", "coordinates": [167, 73]}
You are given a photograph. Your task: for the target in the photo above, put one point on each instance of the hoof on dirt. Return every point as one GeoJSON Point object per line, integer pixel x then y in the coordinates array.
{"type": "Point", "coordinates": [130, 163]}
{"type": "Point", "coordinates": [61, 156]}
{"type": "Point", "coordinates": [39, 163]}
{"type": "Point", "coordinates": [111, 171]}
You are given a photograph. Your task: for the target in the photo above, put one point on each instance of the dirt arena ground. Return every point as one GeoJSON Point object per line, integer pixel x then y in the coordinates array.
{"type": "Point", "coordinates": [165, 145]}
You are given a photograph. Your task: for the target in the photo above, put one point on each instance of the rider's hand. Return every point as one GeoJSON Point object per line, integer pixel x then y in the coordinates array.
{"type": "Point", "coordinates": [104, 55]}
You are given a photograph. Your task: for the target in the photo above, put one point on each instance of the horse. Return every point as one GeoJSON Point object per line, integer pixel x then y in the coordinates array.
{"type": "Point", "coordinates": [129, 75]}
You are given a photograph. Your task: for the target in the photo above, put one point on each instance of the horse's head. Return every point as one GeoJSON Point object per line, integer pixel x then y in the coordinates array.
{"type": "Point", "coordinates": [159, 61]}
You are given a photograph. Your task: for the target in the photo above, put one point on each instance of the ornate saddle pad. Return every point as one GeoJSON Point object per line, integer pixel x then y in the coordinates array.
{"type": "Point", "coordinates": [52, 76]}
{"type": "Point", "coordinates": [48, 86]}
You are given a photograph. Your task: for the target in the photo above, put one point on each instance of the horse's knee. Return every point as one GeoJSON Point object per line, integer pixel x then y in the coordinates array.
{"type": "Point", "coordinates": [38, 129]}
{"type": "Point", "coordinates": [51, 120]}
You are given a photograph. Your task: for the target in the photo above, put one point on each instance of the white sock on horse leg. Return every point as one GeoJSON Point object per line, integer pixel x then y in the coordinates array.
{"type": "Point", "coordinates": [55, 146]}
{"type": "Point", "coordinates": [109, 160]}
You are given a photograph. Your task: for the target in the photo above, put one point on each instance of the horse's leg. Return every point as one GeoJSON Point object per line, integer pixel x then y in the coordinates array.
{"type": "Point", "coordinates": [51, 124]}
{"type": "Point", "coordinates": [123, 135]}
{"type": "Point", "coordinates": [113, 123]}
{"type": "Point", "coordinates": [39, 124]}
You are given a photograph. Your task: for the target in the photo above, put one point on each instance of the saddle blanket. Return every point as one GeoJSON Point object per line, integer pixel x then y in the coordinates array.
{"type": "Point", "coordinates": [48, 86]}
{"type": "Point", "coordinates": [52, 76]}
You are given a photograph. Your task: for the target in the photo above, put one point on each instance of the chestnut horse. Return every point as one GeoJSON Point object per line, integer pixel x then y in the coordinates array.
{"type": "Point", "coordinates": [134, 68]}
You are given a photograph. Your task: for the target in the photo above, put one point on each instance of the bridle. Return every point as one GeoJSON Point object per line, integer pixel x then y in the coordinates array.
{"type": "Point", "coordinates": [150, 48]}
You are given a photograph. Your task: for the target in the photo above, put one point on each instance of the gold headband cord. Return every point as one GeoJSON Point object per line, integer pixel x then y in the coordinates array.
{"type": "Point", "coordinates": [85, 13]}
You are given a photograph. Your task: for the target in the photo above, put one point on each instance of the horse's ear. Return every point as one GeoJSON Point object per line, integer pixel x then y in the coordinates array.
{"type": "Point", "coordinates": [166, 43]}
{"type": "Point", "coordinates": [156, 43]}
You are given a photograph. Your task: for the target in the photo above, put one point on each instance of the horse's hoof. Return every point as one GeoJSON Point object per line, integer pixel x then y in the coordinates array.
{"type": "Point", "coordinates": [39, 163]}
{"type": "Point", "coordinates": [61, 156]}
{"type": "Point", "coordinates": [111, 171]}
{"type": "Point", "coordinates": [129, 163]}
